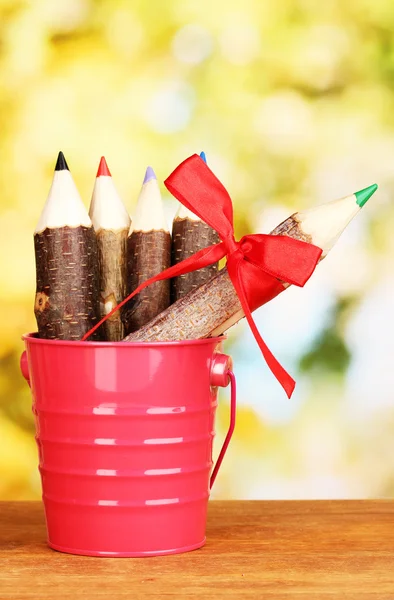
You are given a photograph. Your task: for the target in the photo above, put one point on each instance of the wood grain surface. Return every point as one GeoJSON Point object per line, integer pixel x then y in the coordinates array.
{"type": "Point", "coordinates": [148, 254]}
{"type": "Point", "coordinates": [257, 549]}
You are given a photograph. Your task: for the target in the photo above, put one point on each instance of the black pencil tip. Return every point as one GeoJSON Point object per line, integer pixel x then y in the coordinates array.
{"type": "Point", "coordinates": [61, 164]}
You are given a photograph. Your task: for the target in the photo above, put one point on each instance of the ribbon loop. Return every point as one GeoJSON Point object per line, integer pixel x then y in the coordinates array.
{"type": "Point", "coordinates": [257, 264]}
{"type": "Point", "coordinates": [283, 257]}
{"type": "Point", "coordinates": [197, 188]}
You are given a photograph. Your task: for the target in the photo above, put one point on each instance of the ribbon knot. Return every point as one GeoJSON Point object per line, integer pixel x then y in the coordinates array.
{"type": "Point", "coordinates": [232, 246]}
{"type": "Point", "coordinates": [257, 265]}
{"type": "Point", "coordinates": [245, 244]}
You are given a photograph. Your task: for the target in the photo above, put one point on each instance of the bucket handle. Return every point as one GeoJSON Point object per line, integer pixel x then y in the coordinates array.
{"type": "Point", "coordinates": [233, 407]}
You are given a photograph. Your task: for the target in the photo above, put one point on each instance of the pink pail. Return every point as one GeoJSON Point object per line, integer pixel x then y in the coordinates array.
{"type": "Point", "coordinates": [124, 433]}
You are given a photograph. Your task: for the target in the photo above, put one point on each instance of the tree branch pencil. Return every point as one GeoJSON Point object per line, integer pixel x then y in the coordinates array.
{"type": "Point", "coordinates": [111, 222]}
{"type": "Point", "coordinates": [67, 278]}
{"type": "Point", "coordinates": [148, 253]}
{"type": "Point", "coordinates": [214, 307]}
{"type": "Point", "coordinates": [190, 234]}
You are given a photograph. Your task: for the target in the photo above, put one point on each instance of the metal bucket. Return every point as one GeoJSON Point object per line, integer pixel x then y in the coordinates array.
{"type": "Point", "coordinates": [125, 434]}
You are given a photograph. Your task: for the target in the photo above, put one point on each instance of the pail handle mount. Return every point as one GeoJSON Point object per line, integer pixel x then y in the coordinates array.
{"type": "Point", "coordinates": [233, 407]}
{"type": "Point", "coordinates": [24, 366]}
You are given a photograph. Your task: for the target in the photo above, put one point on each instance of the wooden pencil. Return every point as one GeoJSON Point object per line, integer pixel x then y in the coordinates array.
{"type": "Point", "coordinates": [190, 234]}
{"type": "Point", "coordinates": [148, 253]}
{"type": "Point", "coordinates": [67, 276]}
{"type": "Point", "coordinates": [111, 222]}
{"type": "Point", "coordinates": [214, 307]}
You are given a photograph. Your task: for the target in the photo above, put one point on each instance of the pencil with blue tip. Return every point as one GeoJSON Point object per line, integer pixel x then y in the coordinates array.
{"type": "Point", "coordinates": [148, 253]}
{"type": "Point", "coordinates": [189, 235]}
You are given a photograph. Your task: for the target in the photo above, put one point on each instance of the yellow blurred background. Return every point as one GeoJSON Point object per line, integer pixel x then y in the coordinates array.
{"type": "Point", "coordinates": [293, 103]}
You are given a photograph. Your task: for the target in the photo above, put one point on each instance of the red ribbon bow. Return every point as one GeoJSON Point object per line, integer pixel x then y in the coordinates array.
{"type": "Point", "coordinates": [256, 264]}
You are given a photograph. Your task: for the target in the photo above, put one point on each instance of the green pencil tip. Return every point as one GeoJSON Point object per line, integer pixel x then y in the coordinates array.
{"type": "Point", "coordinates": [364, 195]}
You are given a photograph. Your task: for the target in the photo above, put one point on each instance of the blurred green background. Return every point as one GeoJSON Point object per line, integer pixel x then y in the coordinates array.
{"type": "Point", "coordinates": [293, 103]}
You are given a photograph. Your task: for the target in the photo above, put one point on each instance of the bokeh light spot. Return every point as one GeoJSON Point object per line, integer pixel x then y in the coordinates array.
{"type": "Point", "coordinates": [240, 42]}
{"type": "Point", "coordinates": [284, 121]}
{"type": "Point", "coordinates": [170, 108]}
{"type": "Point", "coordinates": [192, 44]}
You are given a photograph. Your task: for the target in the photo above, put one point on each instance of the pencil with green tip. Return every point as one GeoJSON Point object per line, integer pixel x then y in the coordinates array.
{"type": "Point", "coordinates": [189, 235]}
{"type": "Point", "coordinates": [321, 226]}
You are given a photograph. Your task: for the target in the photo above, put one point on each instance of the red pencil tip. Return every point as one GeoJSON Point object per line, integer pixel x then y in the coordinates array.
{"type": "Point", "coordinates": [103, 168]}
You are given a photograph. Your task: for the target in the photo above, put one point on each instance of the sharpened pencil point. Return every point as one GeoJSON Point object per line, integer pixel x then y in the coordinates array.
{"type": "Point", "coordinates": [149, 175]}
{"type": "Point", "coordinates": [103, 168]}
{"type": "Point", "coordinates": [364, 195]}
{"type": "Point", "coordinates": [202, 155]}
{"type": "Point", "coordinates": [61, 164]}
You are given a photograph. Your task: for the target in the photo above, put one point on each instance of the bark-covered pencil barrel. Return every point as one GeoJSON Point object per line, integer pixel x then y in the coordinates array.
{"type": "Point", "coordinates": [148, 253]}
{"type": "Point", "coordinates": [111, 222]}
{"type": "Point", "coordinates": [190, 234]}
{"type": "Point", "coordinates": [214, 307]}
{"type": "Point", "coordinates": [67, 278]}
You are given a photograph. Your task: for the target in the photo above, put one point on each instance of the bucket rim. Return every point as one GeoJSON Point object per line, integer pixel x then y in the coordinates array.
{"type": "Point", "coordinates": [32, 338]}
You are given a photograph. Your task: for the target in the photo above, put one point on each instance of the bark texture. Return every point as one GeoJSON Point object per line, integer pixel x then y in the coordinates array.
{"type": "Point", "coordinates": [188, 237]}
{"type": "Point", "coordinates": [148, 253]}
{"type": "Point", "coordinates": [112, 257]}
{"type": "Point", "coordinates": [67, 277]}
{"type": "Point", "coordinates": [195, 315]}
{"type": "Point", "coordinates": [292, 227]}
{"type": "Point", "coordinates": [210, 309]}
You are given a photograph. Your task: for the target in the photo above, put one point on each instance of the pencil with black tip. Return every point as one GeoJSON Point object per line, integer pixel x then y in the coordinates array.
{"type": "Point", "coordinates": [67, 277]}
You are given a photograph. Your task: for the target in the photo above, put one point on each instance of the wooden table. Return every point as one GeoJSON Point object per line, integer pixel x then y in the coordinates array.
{"type": "Point", "coordinates": [274, 550]}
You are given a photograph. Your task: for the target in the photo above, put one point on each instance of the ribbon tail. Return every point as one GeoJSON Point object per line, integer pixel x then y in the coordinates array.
{"type": "Point", "coordinates": [286, 381]}
{"type": "Point", "coordinates": [203, 258]}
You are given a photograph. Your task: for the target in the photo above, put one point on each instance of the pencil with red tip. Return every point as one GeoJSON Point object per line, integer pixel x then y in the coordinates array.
{"type": "Point", "coordinates": [111, 223]}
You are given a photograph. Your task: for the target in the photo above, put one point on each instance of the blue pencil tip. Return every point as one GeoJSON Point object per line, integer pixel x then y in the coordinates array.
{"type": "Point", "coordinates": [202, 155]}
{"type": "Point", "coordinates": [149, 175]}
